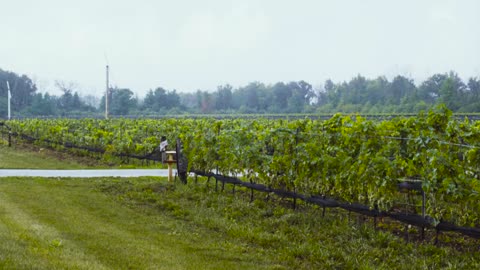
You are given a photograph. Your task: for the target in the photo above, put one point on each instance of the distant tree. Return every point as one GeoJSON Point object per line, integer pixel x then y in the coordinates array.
{"type": "Point", "coordinates": [90, 100]}
{"type": "Point", "coordinates": [121, 102]}
{"type": "Point", "coordinates": [161, 100]}
{"type": "Point", "coordinates": [474, 88]}
{"type": "Point", "coordinates": [188, 101]}
{"type": "Point", "coordinates": [265, 98]}
{"type": "Point", "coordinates": [76, 102]}
{"type": "Point", "coordinates": [207, 102]}
{"type": "Point", "coordinates": [357, 95]}
{"type": "Point", "coordinates": [252, 96]}
{"type": "Point", "coordinates": [460, 89]}
{"type": "Point", "coordinates": [332, 93]}
{"type": "Point", "coordinates": [303, 89]}
{"type": "Point", "coordinates": [199, 102]}
{"type": "Point", "coordinates": [281, 94]}
{"type": "Point", "coordinates": [296, 102]}
{"type": "Point", "coordinates": [65, 102]}
{"type": "Point", "coordinates": [70, 101]}
{"type": "Point", "coordinates": [199, 97]}
{"type": "Point", "coordinates": [3, 106]}
{"type": "Point", "coordinates": [157, 99]}
{"type": "Point", "coordinates": [223, 97]}
{"type": "Point", "coordinates": [173, 99]}
{"type": "Point", "coordinates": [149, 101]}
{"type": "Point", "coordinates": [321, 97]}
{"type": "Point", "coordinates": [401, 87]}
{"type": "Point", "coordinates": [447, 94]}
{"type": "Point", "coordinates": [43, 105]}
{"type": "Point", "coordinates": [357, 90]}
{"type": "Point", "coordinates": [452, 92]}
{"type": "Point", "coordinates": [429, 90]}
{"type": "Point", "coordinates": [375, 91]}
{"type": "Point", "coordinates": [22, 88]}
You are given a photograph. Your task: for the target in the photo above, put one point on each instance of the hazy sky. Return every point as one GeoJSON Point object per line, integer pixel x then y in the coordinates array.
{"type": "Point", "coordinates": [188, 45]}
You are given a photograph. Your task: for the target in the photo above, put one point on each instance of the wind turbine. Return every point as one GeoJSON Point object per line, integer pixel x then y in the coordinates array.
{"type": "Point", "coordinates": [9, 98]}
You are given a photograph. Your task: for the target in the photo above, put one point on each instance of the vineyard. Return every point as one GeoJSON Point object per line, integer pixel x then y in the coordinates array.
{"type": "Point", "coordinates": [343, 161]}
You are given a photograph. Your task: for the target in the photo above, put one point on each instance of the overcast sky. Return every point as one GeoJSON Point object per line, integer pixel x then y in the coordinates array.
{"type": "Point", "coordinates": [190, 44]}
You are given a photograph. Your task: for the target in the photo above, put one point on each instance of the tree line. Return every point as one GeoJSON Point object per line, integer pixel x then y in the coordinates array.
{"type": "Point", "coordinates": [360, 94]}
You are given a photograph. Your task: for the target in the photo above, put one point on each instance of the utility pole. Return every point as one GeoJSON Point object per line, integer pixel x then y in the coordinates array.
{"type": "Point", "coordinates": [9, 100]}
{"type": "Point", "coordinates": [106, 97]}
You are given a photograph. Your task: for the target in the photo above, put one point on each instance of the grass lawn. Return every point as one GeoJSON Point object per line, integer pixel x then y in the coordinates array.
{"type": "Point", "coordinates": [23, 156]}
{"type": "Point", "coordinates": [146, 223]}
{"type": "Point", "coordinates": [20, 157]}
{"type": "Point", "coordinates": [68, 224]}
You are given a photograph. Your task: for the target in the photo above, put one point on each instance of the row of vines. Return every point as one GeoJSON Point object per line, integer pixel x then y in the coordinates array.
{"type": "Point", "coordinates": [348, 158]}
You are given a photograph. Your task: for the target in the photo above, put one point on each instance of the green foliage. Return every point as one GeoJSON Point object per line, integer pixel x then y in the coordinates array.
{"type": "Point", "coordinates": [161, 100]}
{"type": "Point", "coordinates": [346, 157]}
{"type": "Point", "coordinates": [358, 95]}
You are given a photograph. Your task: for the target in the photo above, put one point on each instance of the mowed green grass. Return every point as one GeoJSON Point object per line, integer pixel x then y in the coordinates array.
{"type": "Point", "coordinates": [147, 223]}
{"type": "Point", "coordinates": [24, 156]}
{"type": "Point", "coordinates": [67, 224]}
{"type": "Point", "coordinates": [20, 157]}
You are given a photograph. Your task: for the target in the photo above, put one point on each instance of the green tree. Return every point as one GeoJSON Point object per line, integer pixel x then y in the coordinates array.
{"type": "Point", "coordinates": [66, 102]}
{"type": "Point", "coordinates": [296, 102]}
{"type": "Point", "coordinates": [375, 91]}
{"type": "Point", "coordinates": [332, 94]}
{"type": "Point", "coordinates": [173, 99]}
{"type": "Point", "coordinates": [207, 102]}
{"type": "Point", "coordinates": [3, 107]}
{"type": "Point", "coordinates": [161, 100]}
{"type": "Point", "coordinates": [474, 87]}
{"type": "Point", "coordinates": [43, 105]}
{"type": "Point", "coordinates": [22, 88]}
{"type": "Point", "coordinates": [223, 97]}
{"type": "Point", "coordinates": [77, 104]}
{"type": "Point", "coordinates": [357, 90]}
{"type": "Point", "coordinates": [448, 95]}
{"type": "Point", "coordinates": [121, 101]}
{"type": "Point", "coordinates": [281, 94]}
{"type": "Point", "coordinates": [429, 90]}
{"type": "Point", "coordinates": [400, 88]}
